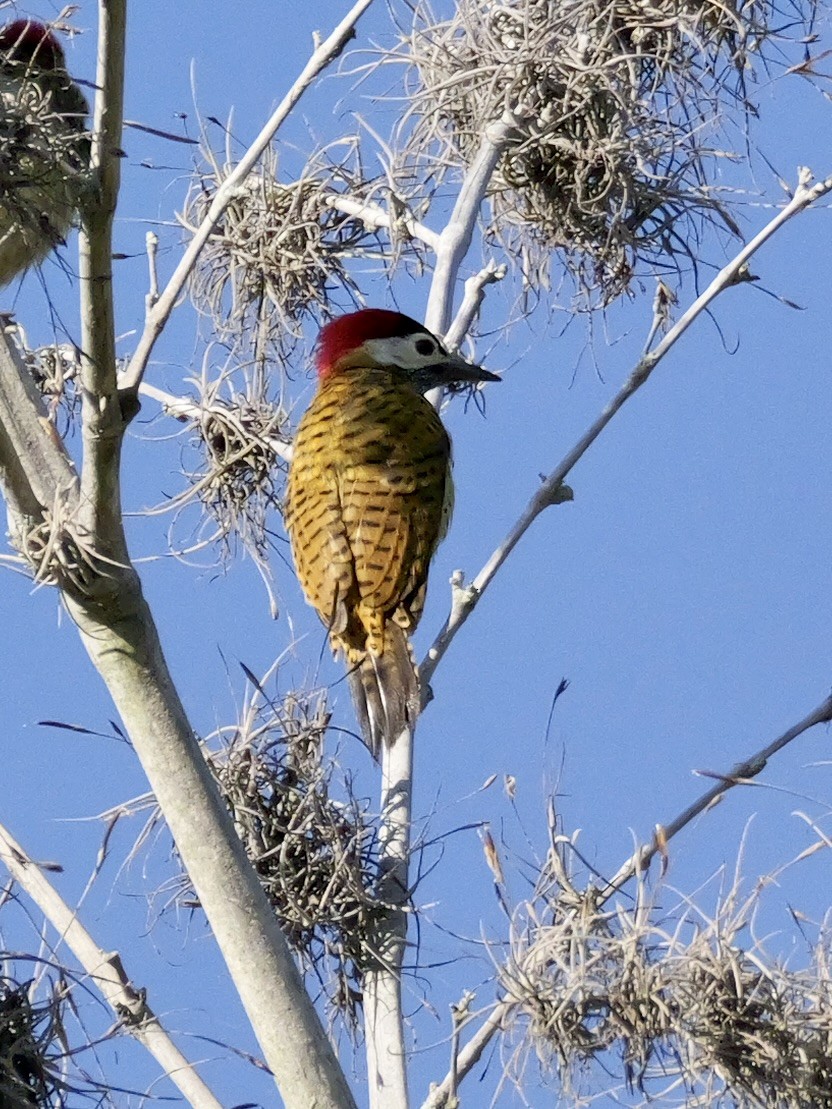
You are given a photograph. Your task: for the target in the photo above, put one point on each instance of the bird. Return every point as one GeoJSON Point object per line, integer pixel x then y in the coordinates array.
{"type": "Point", "coordinates": [44, 146]}
{"type": "Point", "coordinates": [369, 498]}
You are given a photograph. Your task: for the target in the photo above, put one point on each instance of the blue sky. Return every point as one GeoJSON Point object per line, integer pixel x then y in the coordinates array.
{"type": "Point", "coordinates": [686, 593]}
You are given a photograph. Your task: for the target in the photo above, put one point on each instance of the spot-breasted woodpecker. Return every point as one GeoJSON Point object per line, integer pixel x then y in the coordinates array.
{"type": "Point", "coordinates": [44, 148]}
{"type": "Point", "coordinates": [369, 499]}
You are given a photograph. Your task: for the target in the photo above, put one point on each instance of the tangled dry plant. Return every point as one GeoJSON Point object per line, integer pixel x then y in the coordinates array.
{"type": "Point", "coordinates": [36, 1060]}
{"type": "Point", "coordinates": [312, 842]}
{"type": "Point", "coordinates": [233, 459]}
{"type": "Point", "coordinates": [617, 106]}
{"type": "Point", "coordinates": [42, 170]}
{"type": "Point", "coordinates": [233, 432]}
{"type": "Point", "coordinates": [55, 370]}
{"type": "Point", "coordinates": [687, 1010]}
{"type": "Point", "coordinates": [280, 252]}
{"type": "Point", "coordinates": [58, 553]}
{"type": "Point", "coordinates": [316, 856]}
{"type": "Point", "coordinates": [27, 1032]}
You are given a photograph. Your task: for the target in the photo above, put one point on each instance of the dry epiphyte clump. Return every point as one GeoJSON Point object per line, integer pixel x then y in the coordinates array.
{"type": "Point", "coordinates": [313, 844]}
{"type": "Point", "coordinates": [24, 1078]}
{"type": "Point", "coordinates": [277, 255]}
{"type": "Point", "coordinates": [43, 1038]}
{"type": "Point", "coordinates": [44, 148]}
{"type": "Point", "coordinates": [316, 856]}
{"type": "Point", "coordinates": [615, 106]}
{"type": "Point", "coordinates": [669, 1004]}
{"type": "Point", "coordinates": [34, 1052]}
{"type": "Point", "coordinates": [237, 479]}
{"type": "Point", "coordinates": [56, 371]}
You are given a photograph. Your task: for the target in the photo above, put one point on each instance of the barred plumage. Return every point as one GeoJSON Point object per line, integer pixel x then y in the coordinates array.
{"type": "Point", "coordinates": [44, 147]}
{"type": "Point", "coordinates": [368, 502]}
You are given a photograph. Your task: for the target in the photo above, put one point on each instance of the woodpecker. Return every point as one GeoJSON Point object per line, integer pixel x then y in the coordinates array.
{"type": "Point", "coordinates": [44, 147]}
{"type": "Point", "coordinates": [369, 500]}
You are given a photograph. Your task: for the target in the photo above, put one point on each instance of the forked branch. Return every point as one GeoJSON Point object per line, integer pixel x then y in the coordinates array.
{"type": "Point", "coordinates": [468, 1057]}
{"type": "Point", "coordinates": [161, 309]}
{"type": "Point", "coordinates": [103, 595]}
{"type": "Point", "coordinates": [107, 973]}
{"type": "Point", "coordinates": [552, 490]}
{"type": "Point", "coordinates": [455, 238]}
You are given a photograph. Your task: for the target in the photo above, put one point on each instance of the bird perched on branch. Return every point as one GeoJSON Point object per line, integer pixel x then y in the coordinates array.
{"type": "Point", "coordinates": [44, 147]}
{"type": "Point", "coordinates": [369, 499]}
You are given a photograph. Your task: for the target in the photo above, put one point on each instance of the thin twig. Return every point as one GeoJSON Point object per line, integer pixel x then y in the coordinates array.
{"type": "Point", "coordinates": [158, 316]}
{"type": "Point", "coordinates": [105, 969]}
{"type": "Point", "coordinates": [474, 295]}
{"type": "Point", "coordinates": [740, 774]}
{"type": "Point", "coordinates": [152, 242]}
{"type": "Point", "coordinates": [553, 490]}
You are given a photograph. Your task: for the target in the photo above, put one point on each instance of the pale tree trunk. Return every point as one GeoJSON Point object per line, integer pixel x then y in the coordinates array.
{"type": "Point", "coordinates": [71, 531]}
{"type": "Point", "coordinates": [106, 602]}
{"type": "Point", "coordinates": [383, 1019]}
{"type": "Point", "coordinates": [383, 1013]}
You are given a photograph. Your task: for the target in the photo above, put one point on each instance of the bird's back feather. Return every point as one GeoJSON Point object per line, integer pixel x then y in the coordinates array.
{"type": "Point", "coordinates": [366, 507]}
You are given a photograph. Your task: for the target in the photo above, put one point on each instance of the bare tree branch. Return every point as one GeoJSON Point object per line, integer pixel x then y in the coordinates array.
{"type": "Point", "coordinates": [373, 216]}
{"type": "Point", "coordinates": [104, 595]}
{"type": "Point", "coordinates": [383, 1020]}
{"type": "Point", "coordinates": [440, 1095]}
{"type": "Point", "coordinates": [121, 639]}
{"type": "Point", "coordinates": [455, 238]}
{"type": "Point", "coordinates": [103, 420]}
{"type": "Point", "coordinates": [740, 774]}
{"type": "Point", "coordinates": [474, 295]}
{"type": "Point", "coordinates": [159, 313]}
{"type": "Point", "coordinates": [553, 490]}
{"type": "Point", "coordinates": [105, 969]}
{"type": "Point", "coordinates": [86, 553]}
{"type": "Point", "coordinates": [384, 1032]}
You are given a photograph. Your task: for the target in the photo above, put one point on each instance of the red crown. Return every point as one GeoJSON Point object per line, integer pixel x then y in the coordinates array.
{"type": "Point", "coordinates": [344, 334]}
{"type": "Point", "coordinates": [26, 39]}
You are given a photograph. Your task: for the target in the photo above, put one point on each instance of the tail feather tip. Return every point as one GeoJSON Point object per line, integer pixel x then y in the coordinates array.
{"type": "Point", "coordinates": [385, 691]}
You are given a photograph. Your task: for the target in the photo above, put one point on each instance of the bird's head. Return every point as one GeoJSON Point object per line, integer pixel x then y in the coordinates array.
{"type": "Point", "coordinates": [390, 341]}
{"type": "Point", "coordinates": [26, 42]}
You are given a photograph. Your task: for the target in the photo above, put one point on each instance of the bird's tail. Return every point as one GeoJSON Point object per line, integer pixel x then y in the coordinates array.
{"type": "Point", "coordinates": [385, 690]}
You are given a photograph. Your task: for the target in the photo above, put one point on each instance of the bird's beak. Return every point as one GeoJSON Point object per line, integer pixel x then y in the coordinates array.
{"type": "Point", "coordinates": [456, 370]}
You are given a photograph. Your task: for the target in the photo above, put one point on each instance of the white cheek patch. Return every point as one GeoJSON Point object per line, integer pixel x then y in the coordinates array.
{"type": "Point", "coordinates": [400, 351]}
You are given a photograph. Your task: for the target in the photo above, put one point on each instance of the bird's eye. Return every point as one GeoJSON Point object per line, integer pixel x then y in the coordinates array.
{"type": "Point", "coordinates": [425, 346]}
